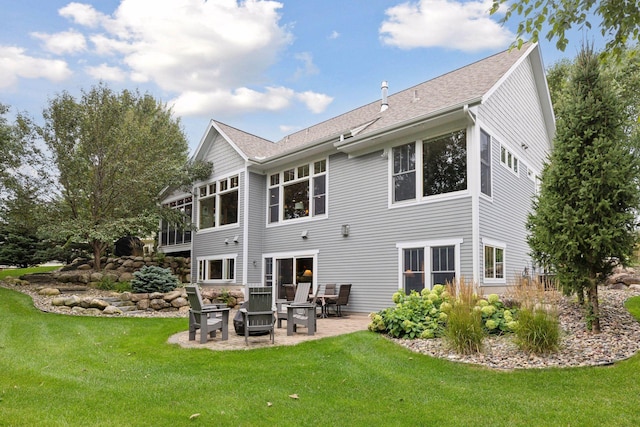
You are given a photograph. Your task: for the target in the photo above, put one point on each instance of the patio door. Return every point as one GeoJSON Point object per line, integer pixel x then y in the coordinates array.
{"type": "Point", "coordinates": [290, 269]}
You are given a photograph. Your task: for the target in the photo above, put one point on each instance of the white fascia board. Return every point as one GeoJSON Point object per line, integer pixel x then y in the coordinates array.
{"type": "Point", "coordinates": [357, 146]}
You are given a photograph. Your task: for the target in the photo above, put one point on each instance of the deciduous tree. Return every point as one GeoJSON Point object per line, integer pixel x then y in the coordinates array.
{"type": "Point", "coordinates": [619, 20]}
{"type": "Point", "coordinates": [114, 153]}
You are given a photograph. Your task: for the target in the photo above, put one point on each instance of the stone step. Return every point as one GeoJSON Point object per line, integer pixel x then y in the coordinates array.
{"type": "Point", "coordinates": [118, 302]}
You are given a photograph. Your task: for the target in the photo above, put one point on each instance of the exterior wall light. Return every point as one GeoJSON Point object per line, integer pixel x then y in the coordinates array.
{"type": "Point", "coordinates": [345, 230]}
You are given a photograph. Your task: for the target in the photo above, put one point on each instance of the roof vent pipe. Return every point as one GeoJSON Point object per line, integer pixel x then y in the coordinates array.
{"type": "Point", "coordinates": [385, 103]}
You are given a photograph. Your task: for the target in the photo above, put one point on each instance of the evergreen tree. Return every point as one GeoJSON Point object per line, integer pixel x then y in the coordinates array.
{"type": "Point", "coordinates": [584, 219]}
{"type": "Point", "coordinates": [19, 242]}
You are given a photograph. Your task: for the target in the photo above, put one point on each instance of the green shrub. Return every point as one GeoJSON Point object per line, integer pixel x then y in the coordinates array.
{"type": "Point", "coordinates": [123, 287]}
{"type": "Point", "coordinates": [496, 318]}
{"type": "Point", "coordinates": [417, 315]}
{"type": "Point", "coordinates": [153, 279]}
{"type": "Point", "coordinates": [106, 283]}
{"type": "Point", "coordinates": [538, 331]}
{"type": "Point", "coordinates": [464, 331]}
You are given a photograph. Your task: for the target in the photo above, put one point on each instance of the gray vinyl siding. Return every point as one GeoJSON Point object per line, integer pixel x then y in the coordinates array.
{"type": "Point", "coordinates": [256, 215]}
{"type": "Point", "coordinates": [512, 116]}
{"type": "Point", "coordinates": [224, 158]}
{"type": "Point", "coordinates": [368, 257]}
{"type": "Point", "coordinates": [211, 242]}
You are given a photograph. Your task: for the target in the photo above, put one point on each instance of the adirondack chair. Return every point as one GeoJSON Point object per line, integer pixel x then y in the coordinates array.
{"type": "Point", "coordinates": [343, 298]}
{"type": "Point", "coordinates": [206, 317]}
{"type": "Point", "coordinates": [258, 316]}
{"type": "Point", "coordinates": [302, 295]}
{"type": "Point", "coordinates": [302, 314]}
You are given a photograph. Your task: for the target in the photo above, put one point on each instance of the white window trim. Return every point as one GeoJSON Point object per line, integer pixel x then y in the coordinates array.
{"type": "Point", "coordinates": [427, 245]}
{"type": "Point", "coordinates": [420, 199]}
{"type": "Point", "coordinates": [197, 198]}
{"type": "Point", "coordinates": [222, 257]}
{"type": "Point", "coordinates": [300, 254]}
{"type": "Point", "coordinates": [500, 245]}
{"type": "Point", "coordinates": [491, 163]}
{"type": "Point", "coordinates": [515, 159]}
{"type": "Point", "coordinates": [311, 217]}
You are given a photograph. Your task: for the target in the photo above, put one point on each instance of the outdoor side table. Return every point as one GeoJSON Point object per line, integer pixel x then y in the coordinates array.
{"type": "Point", "coordinates": [310, 314]}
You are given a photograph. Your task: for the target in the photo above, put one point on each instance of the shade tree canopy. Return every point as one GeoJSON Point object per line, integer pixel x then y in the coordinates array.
{"type": "Point", "coordinates": [112, 153]}
{"type": "Point", "coordinates": [618, 20]}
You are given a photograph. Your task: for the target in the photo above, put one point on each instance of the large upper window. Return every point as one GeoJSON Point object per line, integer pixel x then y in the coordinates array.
{"type": "Point", "coordinates": [218, 203]}
{"type": "Point", "coordinates": [298, 192]}
{"type": "Point", "coordinates": [177, 234]}
{"type": "Point", "coordinates": [443, 169]}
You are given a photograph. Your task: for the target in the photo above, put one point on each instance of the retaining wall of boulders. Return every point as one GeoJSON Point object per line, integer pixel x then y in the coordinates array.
{"type": "Point", "coordinates": [121, 269]}
{"type": "Point", "coordinates": [134, 303]}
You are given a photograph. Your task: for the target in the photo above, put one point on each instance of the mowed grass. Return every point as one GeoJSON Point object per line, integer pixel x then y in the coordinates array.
{"type": "Point", "coordinates": [60, 370]}
{"type": "Point", "coordinates": [17, 272]}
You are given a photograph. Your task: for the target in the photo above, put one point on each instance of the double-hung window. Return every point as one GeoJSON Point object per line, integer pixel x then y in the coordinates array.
{"type": "Point", "coordinates": [217, 270]}
{"type": "Point", "coordinates": [430, 167]}
{"type": "Point", "coordinates": [428, 263]}
{"type": "Point", "coordinates": [298, 192]}
{"type": "Point", "coordinates": [218, 203]}
{"type": "Point", "coordinates": [494, 261]}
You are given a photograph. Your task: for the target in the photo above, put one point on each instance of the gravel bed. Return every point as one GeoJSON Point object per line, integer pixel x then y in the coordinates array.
{"type": "Point", "coordinates": [619, 340]}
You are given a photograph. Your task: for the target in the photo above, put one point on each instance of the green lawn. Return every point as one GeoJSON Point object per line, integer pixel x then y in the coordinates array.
{"type": "Point", "coordinates": [78, 371]}
{"type": "Point", "coordinates": [17, 272]}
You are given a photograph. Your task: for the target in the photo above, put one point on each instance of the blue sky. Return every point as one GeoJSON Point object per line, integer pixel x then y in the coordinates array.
{"type": "Point", "coordinates": [266, 67]}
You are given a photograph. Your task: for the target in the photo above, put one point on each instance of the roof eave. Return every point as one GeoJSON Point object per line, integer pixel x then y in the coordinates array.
{"type": "Point", "coordinates": [372, 141]}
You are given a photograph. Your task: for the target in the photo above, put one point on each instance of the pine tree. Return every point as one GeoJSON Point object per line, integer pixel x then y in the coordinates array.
{"type": "Point", "coordinates": [584, 219]}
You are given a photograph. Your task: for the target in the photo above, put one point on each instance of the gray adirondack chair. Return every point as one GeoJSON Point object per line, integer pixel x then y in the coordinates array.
{"type": "Point", "coordinates": [304, 315]}
{"type": "Point", "coordinates": [258, 316]}
{"type": "Point", "coordinates": [302, 295]}
{"type": "Point", "coordinates": [206, 317]}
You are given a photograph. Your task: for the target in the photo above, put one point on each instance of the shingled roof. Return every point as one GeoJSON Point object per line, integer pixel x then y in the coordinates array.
{"type": "Point", "coordinates": [466, 85]}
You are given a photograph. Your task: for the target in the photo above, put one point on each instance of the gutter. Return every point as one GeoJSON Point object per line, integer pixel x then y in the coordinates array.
{"type": "Point", "coordinates": [444, 115]}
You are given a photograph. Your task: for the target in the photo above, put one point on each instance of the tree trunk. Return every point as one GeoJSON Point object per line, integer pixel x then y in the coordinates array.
{"type": "Point", "coordinates": [97, 254]}
{"type": "Point", "coordinates": [593, 313]}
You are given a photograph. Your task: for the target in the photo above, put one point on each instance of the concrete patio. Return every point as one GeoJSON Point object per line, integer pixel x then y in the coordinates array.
{"type": "Point", "coordinates": [328, 327]}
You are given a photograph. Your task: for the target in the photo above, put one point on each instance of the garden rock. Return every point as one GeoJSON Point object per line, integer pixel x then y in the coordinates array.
{"type": "Point", "coordinates": [49, 292]}
{"type": "Point", "coordinates": [111, 309]}
{"type": "Point", "coordinates": [179, 302]}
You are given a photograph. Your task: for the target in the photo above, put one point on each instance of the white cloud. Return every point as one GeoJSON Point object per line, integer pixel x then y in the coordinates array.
{"type": "Point", "coordinates": [205, 53]}
{"type": "Point", "coordinates": [334, 35]}
{"type": "Point", "coordinates": [465, 26]}
{"type": "Point", "coordinates": [15, 64]}
{"type": "Point", "coordinates": [67, 42]}
{"type": "Point", "coordinates": [193, 45]}
{"type": "Point", "coordinates": [316, 102]}
{"type": "Point", "coordinates": [308, 67]}
{"type": "Point", "coordinates": [107, 73]}
{"type": "Point", "coordinates": [83, 14]}
{"type": "Point", "coordinates": [245, 100]}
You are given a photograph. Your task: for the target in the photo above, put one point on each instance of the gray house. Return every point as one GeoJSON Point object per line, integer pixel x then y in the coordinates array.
{"type": "Point", "coordinates": [423, 186]}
